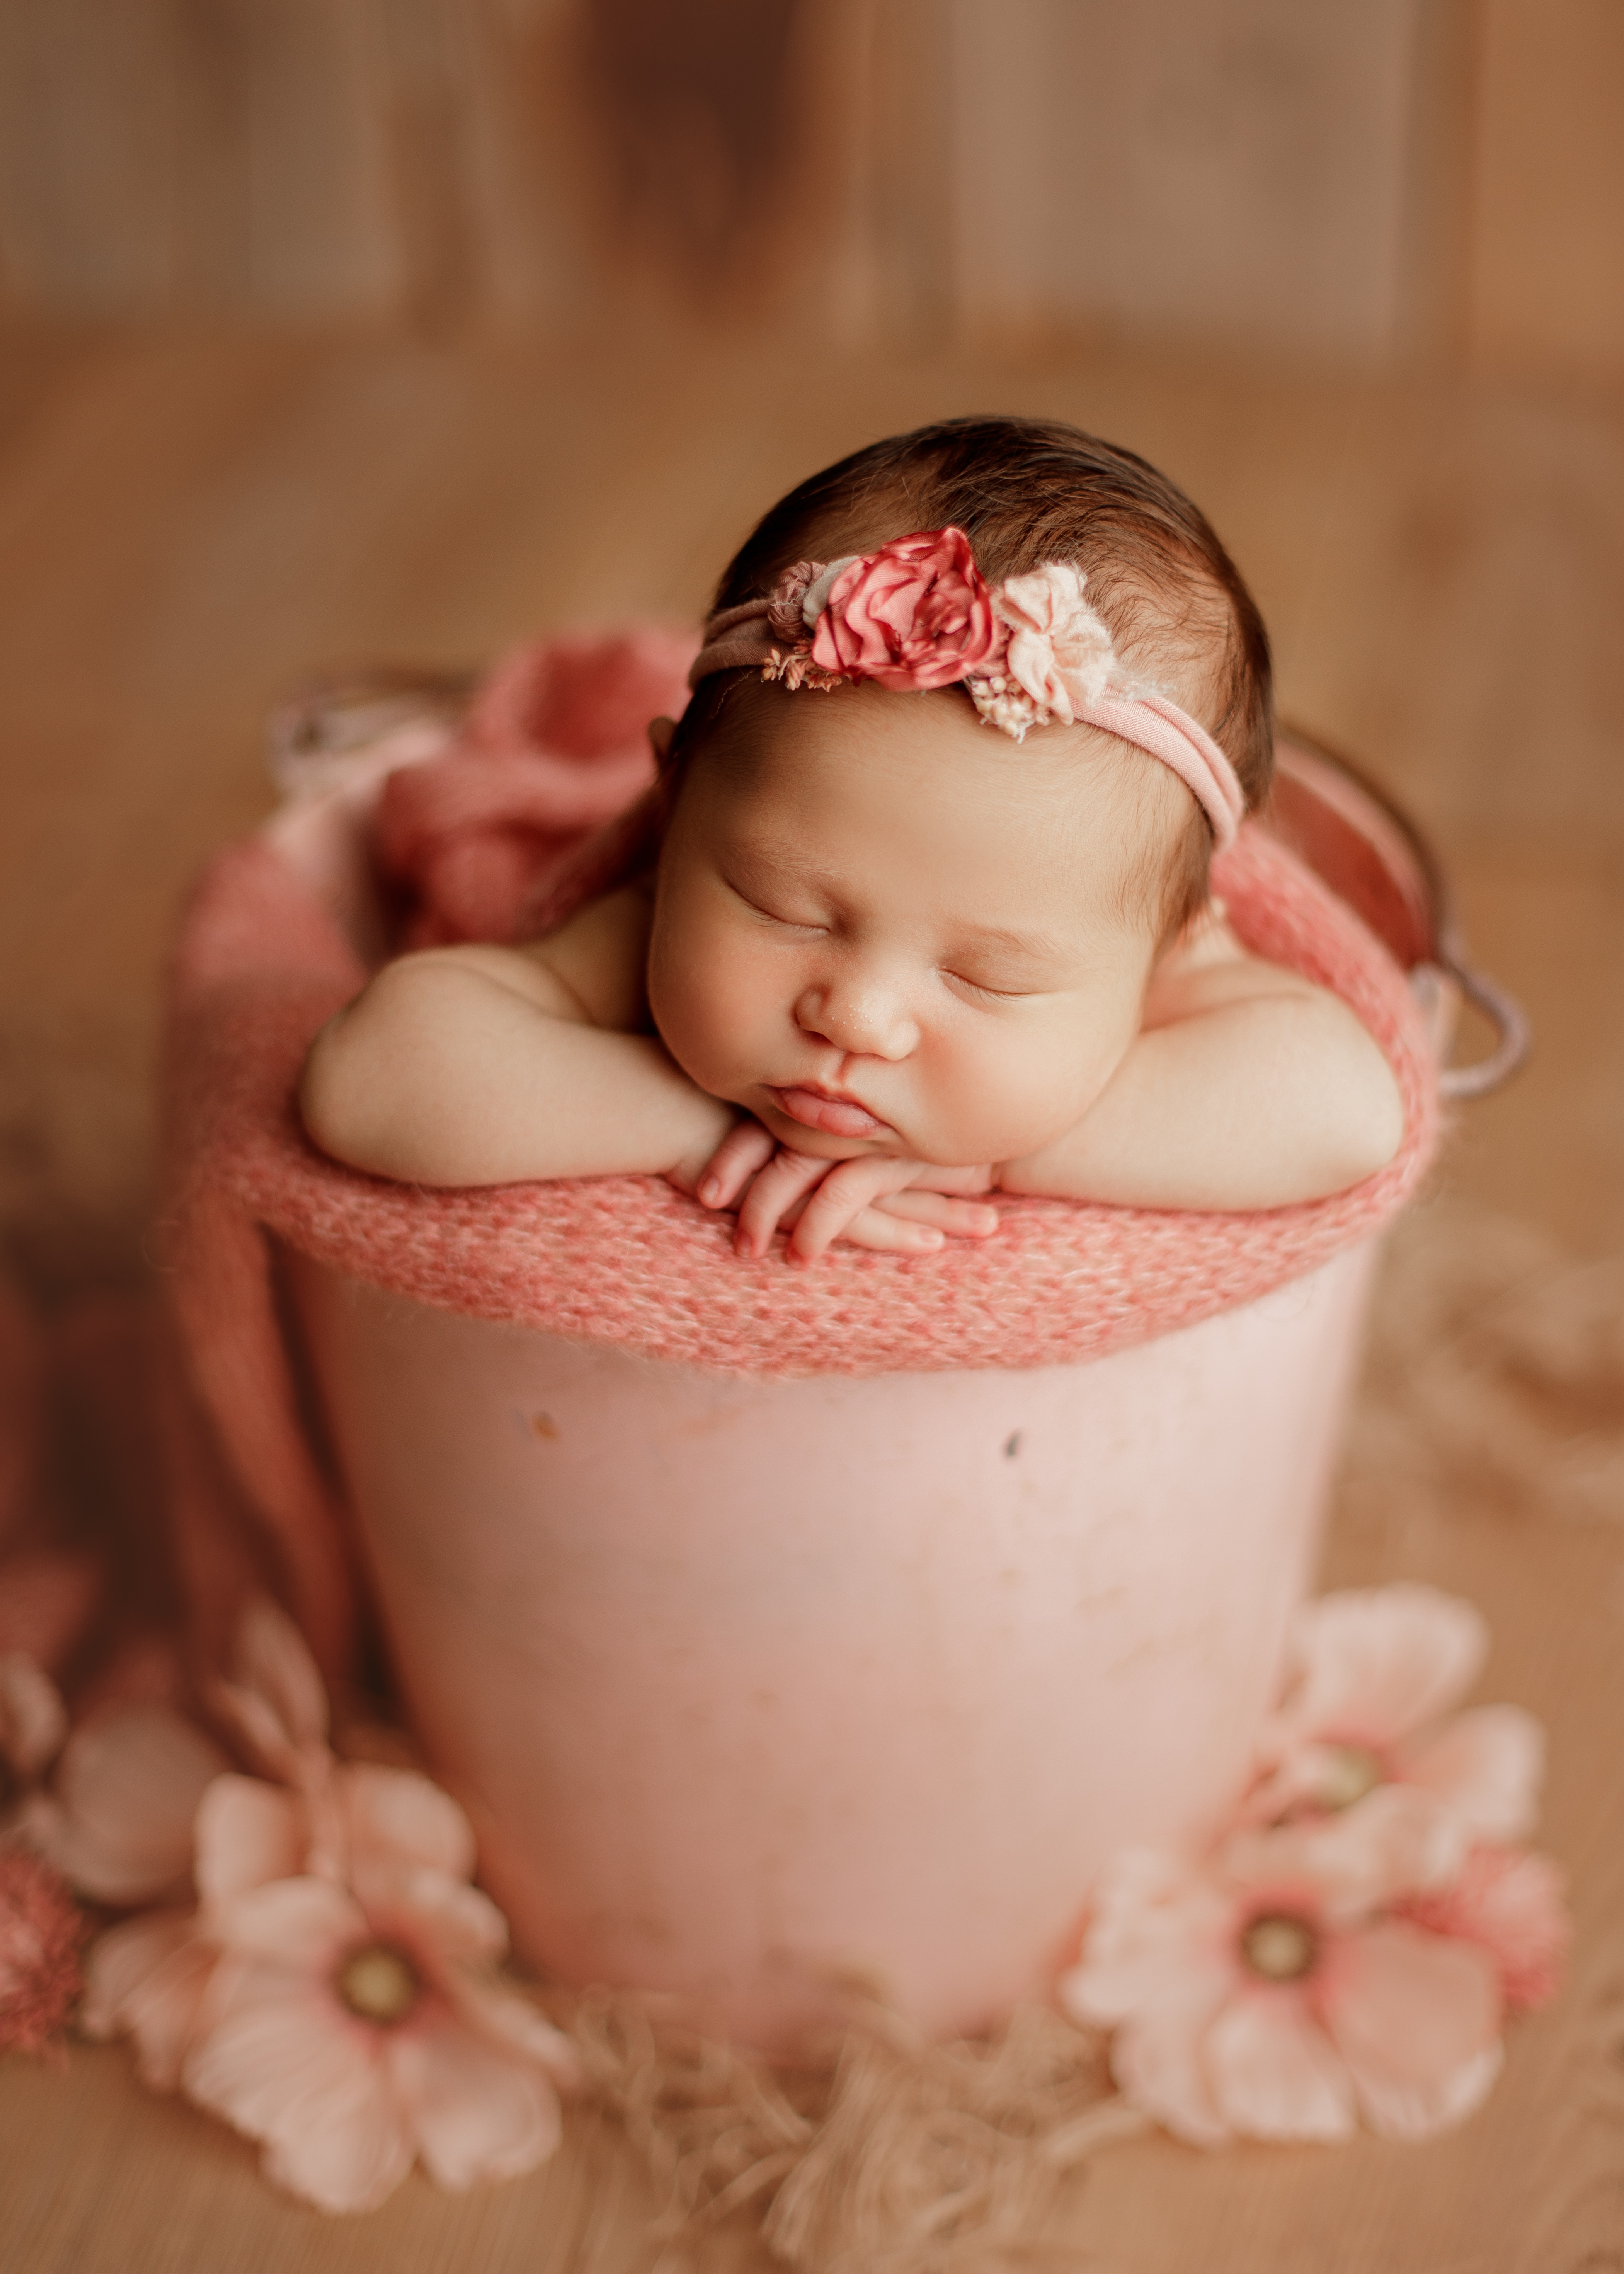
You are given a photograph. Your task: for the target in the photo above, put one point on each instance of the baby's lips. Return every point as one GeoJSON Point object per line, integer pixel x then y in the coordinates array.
{"type": "Point", "coordinates": [838, 1117]}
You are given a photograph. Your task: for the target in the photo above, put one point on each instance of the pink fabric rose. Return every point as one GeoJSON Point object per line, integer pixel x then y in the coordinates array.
{"type": "Point", "coordinates": [917, 613]}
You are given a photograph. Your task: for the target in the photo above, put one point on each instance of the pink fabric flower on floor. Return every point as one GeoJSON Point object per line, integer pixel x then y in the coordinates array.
{"type": "Point", "coordinates": [915, 614]}
{"type": "Point", "coordinates": [335, 1994]}
{"type": "Point", "coordinates": [1372, 1675]}
{"type": "Point", "coordinates": [1270, 1994]}
{"type": "Point", "coordinates": [354, 2023]}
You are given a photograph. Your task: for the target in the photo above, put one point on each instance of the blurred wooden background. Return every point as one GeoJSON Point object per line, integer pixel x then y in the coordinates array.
{"type": "Point", "coordinates": [1442, 178]}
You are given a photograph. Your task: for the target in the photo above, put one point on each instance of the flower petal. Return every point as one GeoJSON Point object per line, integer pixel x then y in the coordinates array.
{"type": "Point", "coordinates": [398, 1816]}
{"type": "Point", "coordinates": [272, 1663]}
{"type": "Point", "coordinates": [1155, 1926]}
{"type": "Point", "coordinates": [1060, 651]}
{"type": "Point", "coordinates": [1397, 1841]}
{"type": "Point", "coordinates": [1514, 1904]}
{"type": "Point", "coordinates": [1417, 2018]}
{"type": "Point", "coordinates": [342, 2154]}
{"type": "Point", "coordinates": [1156, 2059]}
{"type": "Point", "coordinates": [449, 1921]}
{"type": "Point", "coordinates": [1158, 1963]}
{"type": "Point", "coordinates": [477, 2112]}
{"type": "Point", "coordinates": [1377, 1662]}
{"type": "Point", "coordinates": [1275, 2074]}
{"type": "Point", "coordinates": [1486, 1765]}
{"type": "Point", "coordinates": [248, 1834]}
{"type": "Point", "coordinates": [510, 2019]}
{"type": "Point", "coordinates": [148, 1979]}
{"type": "Point", "coordinates": [447, 1918]}
{"type": "Point", "coordinates": [129, 1786]}
{"type": "Point", "coordinates": [304, 1925]}
{"type": "Point", "coordinates": [33, 1718]}
{"type": "Point", "coordinates": [282, 2063]}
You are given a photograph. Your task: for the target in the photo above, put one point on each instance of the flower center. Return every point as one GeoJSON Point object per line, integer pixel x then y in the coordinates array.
{"type": "Point", "coordinates": [378, 1982]}
{"type": "Point", "coordinates": [1349, 1774]}
{"type": "Point", "coordinates": [1279, 1948]}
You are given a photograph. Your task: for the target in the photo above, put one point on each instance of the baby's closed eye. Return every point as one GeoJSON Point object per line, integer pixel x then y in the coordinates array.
{"type": "Point", "coordinates": [805, 925]}
{"type": "Point", "coordinates": [984, 990]}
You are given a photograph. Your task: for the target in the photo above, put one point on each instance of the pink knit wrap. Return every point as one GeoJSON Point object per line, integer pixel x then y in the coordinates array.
{"type": "Point", "coordinates": [260, 964]}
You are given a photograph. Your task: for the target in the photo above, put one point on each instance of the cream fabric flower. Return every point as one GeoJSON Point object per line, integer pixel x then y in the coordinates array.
{"type": "Point", "coordinates": [1060, 651]}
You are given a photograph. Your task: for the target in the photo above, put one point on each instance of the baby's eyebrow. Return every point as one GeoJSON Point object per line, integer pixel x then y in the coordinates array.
{"type": "Point", "coordinates": [1035, 946]}
{"type": "Point", "coordinates": [783, 863]}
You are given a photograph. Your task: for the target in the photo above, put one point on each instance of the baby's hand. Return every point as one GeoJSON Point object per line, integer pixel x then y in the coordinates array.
{"type": "Point", "coordinates": [905, 1207]}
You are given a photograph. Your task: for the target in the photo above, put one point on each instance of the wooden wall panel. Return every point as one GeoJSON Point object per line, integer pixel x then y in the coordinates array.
{"type": "Point", "coordinates": [1441, 175]}
{"type": "Point", "coordinates": [166, 155]}
{"type": "Point", "coordinates": [1235, 171]}
{"type": "Point", "coordinates": [1546, 287]}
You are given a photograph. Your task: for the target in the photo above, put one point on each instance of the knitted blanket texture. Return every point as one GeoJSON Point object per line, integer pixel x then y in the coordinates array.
{"type": "Point", "coordinates": [260, 963]}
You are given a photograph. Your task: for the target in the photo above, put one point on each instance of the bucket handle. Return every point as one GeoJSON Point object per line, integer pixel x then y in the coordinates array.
{"type": "Point", "coordinates": [1503, 1012]}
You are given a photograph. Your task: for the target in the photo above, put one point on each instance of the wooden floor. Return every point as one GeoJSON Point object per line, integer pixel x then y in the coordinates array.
{"type": "Point", "coordinates": [190, 524]}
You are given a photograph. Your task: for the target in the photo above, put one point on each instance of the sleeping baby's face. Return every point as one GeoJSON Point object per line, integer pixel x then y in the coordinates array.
{"type": "Point", "coordinates": [882, 928]}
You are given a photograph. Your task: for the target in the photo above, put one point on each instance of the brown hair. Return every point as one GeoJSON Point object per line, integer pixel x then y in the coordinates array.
{"type": "Point", "coordinates": [1026, 490]}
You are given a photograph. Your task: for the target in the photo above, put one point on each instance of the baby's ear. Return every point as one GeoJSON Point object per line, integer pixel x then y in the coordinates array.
{"type": "Point", "coordinates": [661, 732]}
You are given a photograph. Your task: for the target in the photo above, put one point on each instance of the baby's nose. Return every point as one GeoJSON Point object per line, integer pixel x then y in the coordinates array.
{"type": "Point", "coordinates": [858, 1015]}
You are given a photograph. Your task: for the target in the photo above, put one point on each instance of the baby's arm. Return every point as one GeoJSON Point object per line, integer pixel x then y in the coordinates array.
{"type": "Point", "coordinates": [488, 1066]}
{"type": "Point", "coordinates": [1247, 1087]}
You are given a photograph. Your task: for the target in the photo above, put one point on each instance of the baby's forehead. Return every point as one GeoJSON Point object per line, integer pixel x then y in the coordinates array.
{"type": "Point", "coordinates": [911, 795]}
{"type": "Point", "coordinates": [841, 741]}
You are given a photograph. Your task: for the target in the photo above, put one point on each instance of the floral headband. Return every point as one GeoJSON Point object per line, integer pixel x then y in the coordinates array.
{"type": "Point", "coordinates": [918, 614]}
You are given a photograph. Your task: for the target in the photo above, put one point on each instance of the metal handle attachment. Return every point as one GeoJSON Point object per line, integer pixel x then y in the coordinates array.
{"type": "Point", "coordinates": [1509, 1021]}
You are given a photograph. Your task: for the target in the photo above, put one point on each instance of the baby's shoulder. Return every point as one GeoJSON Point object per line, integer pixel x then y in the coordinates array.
{"type": "Point", "coordinates": [1207, 968]}
{"type": "Point", "coordinates": [602, 955]}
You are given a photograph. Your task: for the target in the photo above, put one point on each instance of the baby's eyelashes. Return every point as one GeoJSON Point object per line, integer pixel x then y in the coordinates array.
{"type": "Point", "coordinates": [807, 930]}
{"type": "Point", "coordinates": [979, 991]}
{"type": "Point", "coordinates": [805, 920]}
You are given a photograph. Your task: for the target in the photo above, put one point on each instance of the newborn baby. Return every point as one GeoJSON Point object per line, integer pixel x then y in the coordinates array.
{"type": "Point", "coordinates": [931, 915]}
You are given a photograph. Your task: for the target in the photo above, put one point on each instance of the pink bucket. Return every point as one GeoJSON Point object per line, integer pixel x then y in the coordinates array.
{"type": "Point", "coordinates": [756, 1687]}
{"type": "Point", "coordinates": [759, 1681]}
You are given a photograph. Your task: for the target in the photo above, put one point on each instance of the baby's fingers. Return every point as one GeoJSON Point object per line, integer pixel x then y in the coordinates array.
{"type": "Point", "coordinates": [777, 1187]}
{"type": "Point", "coordinates": [747, 1148]}
{"type": "Point", "coordinates": [892, 1235]}
{"type": "Point", "coordinates": [963, 1219]}
{"type": "Point", "coordinates": [845, 1194]}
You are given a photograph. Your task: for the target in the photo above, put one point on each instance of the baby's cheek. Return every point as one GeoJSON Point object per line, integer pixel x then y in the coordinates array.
{"type": "Point", "coordinates": [1033, 1091]}
{"type": "Point", "coordinates": [708, 1016]}
{"type": "Point", "coordinates": [994, 1101]}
